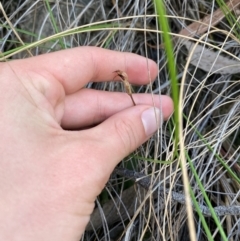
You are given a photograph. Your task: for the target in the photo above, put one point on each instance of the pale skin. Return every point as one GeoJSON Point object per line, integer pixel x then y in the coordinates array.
{"type": "Point", "coordinates": [50, 176]}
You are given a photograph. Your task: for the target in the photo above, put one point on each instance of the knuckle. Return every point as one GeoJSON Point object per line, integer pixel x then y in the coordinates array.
{"type": "Point", "coordinates": [127, 134]}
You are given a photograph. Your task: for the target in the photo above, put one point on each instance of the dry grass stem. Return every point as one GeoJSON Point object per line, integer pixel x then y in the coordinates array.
{"type": "Point", "coordinates": [127, 85]}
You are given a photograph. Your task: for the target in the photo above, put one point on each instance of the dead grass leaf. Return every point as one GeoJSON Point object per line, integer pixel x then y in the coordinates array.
{"type": "Point", "coordinates": [206, 59]}
{"type": "Point", "coordinates": [211, 61]}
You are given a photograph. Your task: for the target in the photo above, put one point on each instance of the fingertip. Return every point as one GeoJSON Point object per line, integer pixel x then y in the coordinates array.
{"type": "Point", "coordinates": [162, 102]}
{"type": "Point", "coordinates": [152, 120]}
{"type": "Point", "coordinates": [144, 72]}
{"type": "Point", "coordinates": [168, 107]}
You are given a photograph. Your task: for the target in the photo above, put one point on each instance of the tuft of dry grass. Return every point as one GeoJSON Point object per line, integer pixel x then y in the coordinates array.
{"type": "Point", "coordinates": [207, 60]}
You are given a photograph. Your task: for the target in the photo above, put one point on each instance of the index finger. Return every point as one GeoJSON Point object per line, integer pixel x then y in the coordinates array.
{"type": "Point", "coordinates": [74, 68]}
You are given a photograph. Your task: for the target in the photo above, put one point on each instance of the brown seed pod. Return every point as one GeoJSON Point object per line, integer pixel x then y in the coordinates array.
{"type": "Point", "coordinates": [127, 85]}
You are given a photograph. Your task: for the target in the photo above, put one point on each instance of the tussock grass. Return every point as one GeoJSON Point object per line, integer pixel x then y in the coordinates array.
{"type": "Point", "coordinates": [205, 131]}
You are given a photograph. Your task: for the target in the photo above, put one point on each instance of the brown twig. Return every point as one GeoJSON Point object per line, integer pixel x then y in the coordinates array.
{"type": "Point", "coordinates": [127, 85]}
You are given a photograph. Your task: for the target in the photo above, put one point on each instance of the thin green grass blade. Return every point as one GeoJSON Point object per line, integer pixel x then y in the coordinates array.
{"type": "Point", "coordinates": [97, 27]}
{"type": "Point", "coordinates": [109, 39]}
{"type": "Point", "coordinates": [19, 30]}
{"type": "Point", "coordinates": [216, 219]}
{"type": "Point", "coordinates": [229, 170]}
{"type": "Point", "coordinates": [163, 24]}
{"type": "Point", "coordinates": [202, 218]}
{"type": "Point", "coordinates": [54, 23]}
{"type": "Point", "coordinates": [229, 16]}
{"type": "Point", "coordinates": [165, 162]}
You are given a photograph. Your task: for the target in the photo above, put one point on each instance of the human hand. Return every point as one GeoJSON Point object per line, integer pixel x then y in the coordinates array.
{"type": "Point", "coordinates": [50, 177]}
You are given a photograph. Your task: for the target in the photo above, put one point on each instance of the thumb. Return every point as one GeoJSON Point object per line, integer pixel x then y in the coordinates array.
{"type": "Point", "coordinates": [125, 131]}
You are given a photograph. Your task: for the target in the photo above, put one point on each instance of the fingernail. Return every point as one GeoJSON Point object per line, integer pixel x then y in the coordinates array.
{"type": "Point", "coordinates": [152, 120]}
